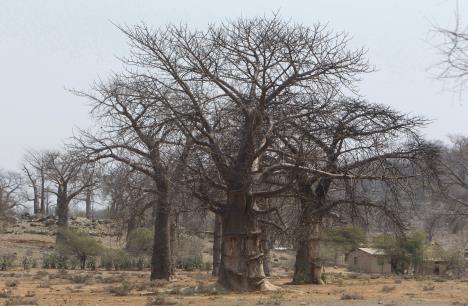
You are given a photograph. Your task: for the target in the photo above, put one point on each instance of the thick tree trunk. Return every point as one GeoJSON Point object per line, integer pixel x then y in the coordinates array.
{"type": "Point", "coordinates": [174, 243]}
{"type": "Point", "coordinates": [47, 205]}
{"type": "Point", "coordinates": [62, 213]}
{"type": "Point", "coordinates": [161, 257]}
{"type": "Point", "coordinates": [308, 266]}
{"type": "Point", "coordinates": [242, 257]}
{"type": "Point", "coordinates": [36, 200]}
{"type": "Point", "coordinates": [266, 246]}
{"type": "Point", "coordinates": [217, 244]}
{"type": "Point", "coordinates": [89, 212]}
{"type": "Point", "coordinates": [43, 194]}
{"type": "Point", "coordinates": [131, 225]}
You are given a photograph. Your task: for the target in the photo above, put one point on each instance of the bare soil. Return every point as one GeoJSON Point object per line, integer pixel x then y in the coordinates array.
{"type": "Point", "coordinates": [74, 287]}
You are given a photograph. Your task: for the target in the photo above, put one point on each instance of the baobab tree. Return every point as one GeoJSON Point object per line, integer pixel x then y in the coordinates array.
{"type": "Point", "coordinates": [135, 130]}
{"type": "Point", "coordinates": [227, 89]}
{"type": "Point", "coordinates": [34, 167]}
{"type": "Point", "coordinates": [71, 175]}
{"type": "Point", "coordinates": [129, 201]}
{"type": "Point", "coordinates": [11, 184]}
{"type": "Point", "coordinates": [340, 155]}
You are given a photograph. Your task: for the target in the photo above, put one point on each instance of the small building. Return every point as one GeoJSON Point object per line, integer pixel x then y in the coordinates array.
{"type": "Point", "coordinates": [369, 260]}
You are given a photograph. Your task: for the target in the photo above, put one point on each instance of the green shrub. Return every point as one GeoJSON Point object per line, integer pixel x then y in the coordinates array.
{"type": "Point", "coordinates": [11, 283]}
{"type": "Point", "coordinates": [189, 263]}
{"type": "Point", "coordinates": [405, 251]}
{"type": "Point", "coordinates": [140, 241]}
{"type": "Point", "coordinates": [80, 245]}
{"type": "Point", "coordinates": [352, 296]}
{"type": "Point", "coordinates": [19, 300]}
{"type": "Point", "coordinates": [91, 263]}
{"type": "Point", "coordinates": [73, 263]}
{"type": "Point", "coordinates": [54, 261]}
{"type": "Point", "coordinates": [122, 290]}
{"type": "Point", "coordinates": [189, 253]}
{"type": "Point", "coordinates": [6, 262]}
{"type": "Point", "coordinates": [26, 262]}
{"type": "Point", "coordinates": [121, 260]}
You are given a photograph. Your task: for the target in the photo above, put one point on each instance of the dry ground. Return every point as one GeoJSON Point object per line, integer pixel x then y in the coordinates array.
{"type": "Point", "coordinates": [53, 287]}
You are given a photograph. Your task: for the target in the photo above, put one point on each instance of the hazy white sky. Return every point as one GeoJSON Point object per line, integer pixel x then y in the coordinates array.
{"type": "Point", "coordinates": [48, 46]}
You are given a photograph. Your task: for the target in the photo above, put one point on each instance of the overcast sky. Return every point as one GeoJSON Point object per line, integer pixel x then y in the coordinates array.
{"type": "Point", "coordinates": [48, 46]}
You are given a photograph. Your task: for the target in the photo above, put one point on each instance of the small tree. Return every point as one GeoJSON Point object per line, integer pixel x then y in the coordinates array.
{"type": "Point", "coordinates": [406, 251]}
{"type": "Point", "coordinates": [140, 241]}
{"type": "Point", "coordinates": [82, 245]}
{"type": "Point", "coordinates": [344, 238]}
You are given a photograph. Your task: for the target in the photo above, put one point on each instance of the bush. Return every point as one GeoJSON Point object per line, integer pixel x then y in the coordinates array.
{"type": "Point", "coordinates": [28, 263]}
{"type": "Point", "coordinates": [11, 283]}
{"type": "Point", "coordinates": [189, 253]}
{"type": "Point", "coordinates": [189, 263]}
{"type": "Point", "coordinates": [91, 263]}
{"type": "Point", "coordinates": [122, 290]}
{"type": "Point", "coordinates": [121, 260]}
{"type": "Point", "coordinates": [6, 262]}
{"type": "Point", "coordinates": [54, 261]}
{"type": "Point", "coordinates": [79, 244]}
{"type": "Point", "coordinates": [388, 288]}
{"type": "Point", "coordinates": [18, 300]}
{"type": "Point", "coordinates": [352, 296]}
{"type": "Point", "coordinates": [140, 241]}
{"type": "Point", "coordinates": [405, 251]}
{"type": "Point", "coordinates": [73, 263]}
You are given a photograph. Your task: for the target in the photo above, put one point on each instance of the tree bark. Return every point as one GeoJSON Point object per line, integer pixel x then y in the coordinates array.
{"type": "Point", "coordinates": [266, 246]}
{"type": "Point", "coordinates": [308, 266]}
{"type": "Point", "coordinates": [217, 244]}
{"type": "Point", "coordinates": [174, 242]}
{"type": "Point", "coordinates": [161, 257]}
{"type": "Point", "coordinates": [89, 213]}
{"type": "Point", "coordinates": [131, 225]}
{"type": "Point", "coordinates": [242, 257]}
{"type": "Point", "coordinates": [62, 213]}
{"type": "Point", "coordinates": [36, 200]}
{"type": "Point", "coordinates": [43, 194]}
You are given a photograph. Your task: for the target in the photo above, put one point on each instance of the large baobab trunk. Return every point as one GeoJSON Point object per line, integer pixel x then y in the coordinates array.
{"type": "Point", "coordinates": [161, 257]}
{"type": "Point", "coordinates": [36, 207]}
{"type": "Point", "coordinates": [217, 244]}
{"type": "Point", "coordinates": [174, 241]}
{"type": "Point", "coordinates": [266, 246]}
{"type": "Point", "coordinates": [242, 257]}
{"type": "Point", "coordinates": [62, 213]}
{"type": "Point", "coordinates": [308, 266]}
{"type": "Point", "coordinates": [43, 209]}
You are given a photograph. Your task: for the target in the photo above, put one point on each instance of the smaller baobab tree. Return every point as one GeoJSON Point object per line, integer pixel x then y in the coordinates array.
{"type": "Point", "coordinates": [34, 167]}
{"type": "Point", "coordinates": [344, 153]}
{"type": "Point", "coordinates": [136, 131]}
{"type": "Point", "coordinates": [127, 193]}
{"type": "Point", "coordinates": [71, 175]}
{"type": "Point", "coordinates": [11, 184]}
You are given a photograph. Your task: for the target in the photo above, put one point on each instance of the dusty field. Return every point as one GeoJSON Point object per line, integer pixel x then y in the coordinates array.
{"type": "Point", "coordinates": [53, 287]}
{"type": "Point", "coordinates": [72, 287]}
